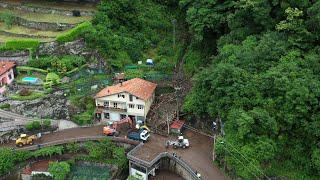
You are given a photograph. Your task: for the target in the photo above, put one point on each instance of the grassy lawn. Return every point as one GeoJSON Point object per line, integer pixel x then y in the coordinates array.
{"type": "Point", "coordinates": [52, 5]}
{"type": "Point", "coordinates": [53, 18]}
{"type": "Point", "coordinates": [23, 30]}
{"type": "Point", "coordinates": [32, 96]}
{"type": "Point", "coordinates": [4, 38]}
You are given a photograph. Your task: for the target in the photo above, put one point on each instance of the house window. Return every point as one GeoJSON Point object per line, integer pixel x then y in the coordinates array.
{"type": "Point", "coordinates": [10, 76]}
{"type": "Point", "coordinates": [131, 106]}
{"type": "Point", "coordinates": [137, 98]}
{"type": "Point", "coordinates": [131, 98]}
{"type": "Point", "coordinates": [106, 115]}
{"type": "Point", "coordinates": [106, 104]}
{"type": "Point", "coordinates": [140, 106]}
{"type": "Point", "coordinates": [121, 95]}
{"type": "Point", "coordinates": [122, 116]}
{"type": "Point", "coordinates": [115, 105]}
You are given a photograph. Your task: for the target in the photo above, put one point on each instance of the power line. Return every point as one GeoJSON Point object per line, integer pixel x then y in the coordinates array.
{"type": "Point", "coordinates": [247, 159]}
{"type": "Point", "coordinates": [205, 134]}
{"type": "Point", "coordinates": [241, 162]}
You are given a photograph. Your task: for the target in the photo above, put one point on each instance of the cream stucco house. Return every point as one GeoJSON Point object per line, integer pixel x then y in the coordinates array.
{"type": "Point", "coordinates": [131, 98]}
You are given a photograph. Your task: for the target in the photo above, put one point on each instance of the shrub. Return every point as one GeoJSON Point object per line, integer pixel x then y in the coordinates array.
{"type": "Point", "coordinates": [48, 151]}
{"type": "Point", "coordinates": [6, 160]}
{"type": "Point", "coordinates": [7, 18]}
{"type": "Point", "coordinates": [73, 147]}
{"type": "Point", "coordinates": [20, 44]}
{"type": "Point", "coordinates": [33, 95]}
{"type": "Point", "coordinates": [5, 106]}
{"type": "Point", "coordinates": [134, 73]}
{"type": "Point", "coordinates": [24, 92]}
{"type": "Point", "coordinates": [44, 62]}
{"type": "Point", "coordinates": [47, 123]}
{"type": "Point", "coordinates": [22, 155]}
{"type": "Point", "coordinates": [73, 33]}
{"type": "Point", "coordinates": [59, 170]}
{"type": "Point", "coordinates": [29, 69]}
{"type": "Point", "coordinates": [72, 162]}
{"type": "Point", "coordinates": [29, 126]}
{"type": "Point", "coordinates": [36, 124]}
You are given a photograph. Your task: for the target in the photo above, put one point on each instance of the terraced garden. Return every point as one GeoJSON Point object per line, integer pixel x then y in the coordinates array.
{"type": "Point", "coordinates": [23, 26]}
{"type": "Point", "coordinates": [53, 4]}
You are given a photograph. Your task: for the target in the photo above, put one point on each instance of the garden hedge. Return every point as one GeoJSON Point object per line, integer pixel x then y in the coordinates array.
{"type": "Point", "coordinates": [20, 44]}
{"type": "Point", "coordinates": [73, 33]}
{"type": "Point", "coordinates": [30, 69]}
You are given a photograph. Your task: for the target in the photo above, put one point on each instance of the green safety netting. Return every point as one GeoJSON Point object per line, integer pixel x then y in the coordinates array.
{"type": "Point", "coordinates": [91, 172]}
{"type": "Point", "coordinates": [159, 76]}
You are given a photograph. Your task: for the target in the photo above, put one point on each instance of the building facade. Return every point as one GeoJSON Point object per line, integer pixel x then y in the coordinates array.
{"type": "Point", "coordinates": [6, 74]}
{"type": "Point", "coordinates": [131, 98]}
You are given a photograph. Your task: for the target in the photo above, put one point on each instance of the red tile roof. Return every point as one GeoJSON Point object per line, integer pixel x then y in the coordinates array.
{"type": "Point", "coordinates": [138, 87]}
{"type": "Point", "coordinates": [177, 124]}
{"type": "Point", "coordinates": [38, 166]}
{"type": "Point", "coordinates": [6, 66]}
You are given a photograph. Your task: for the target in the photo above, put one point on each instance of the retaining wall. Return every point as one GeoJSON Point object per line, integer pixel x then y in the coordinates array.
{"type": "Point", "coordinates": [20, 57]}
{"type": "Point", "coordinates": [45, 26]}
{"type": "Point", "coordinates": [23, 35]}
{"type": "Point", "coordinates": [43, 10]}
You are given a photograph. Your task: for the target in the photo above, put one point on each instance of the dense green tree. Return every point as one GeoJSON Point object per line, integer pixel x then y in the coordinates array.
{"type": "Point", "coordinates": [59, 170]}
{"type": "Point", "coordinates": [6, 160]}
{"type": "Point", "coordinates": [263, 82]}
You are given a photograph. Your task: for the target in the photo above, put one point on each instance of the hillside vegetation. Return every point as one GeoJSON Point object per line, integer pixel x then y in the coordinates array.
{"type": "Point", "coordinates": [262, 81]}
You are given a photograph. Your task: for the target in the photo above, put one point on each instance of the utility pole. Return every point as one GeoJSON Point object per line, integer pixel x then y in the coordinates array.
{"type": "Point", "coordinates": [168, 123]}
{"type": "Point", "coordinates": [214, 146]}
{"type": "Point", "coordinates": [177, 96]}
{"type": "Point", "coordinates": [174, 21]}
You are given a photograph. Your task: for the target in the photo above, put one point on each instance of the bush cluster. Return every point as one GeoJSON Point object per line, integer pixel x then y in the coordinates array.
{"type": "Point", "coordinates": [33, 125]}
{"type": "Point", "coordinates": [73, 33]}
{"type": "Point", "coordinates": [60, 65]}
{"type": "Point", "coordinates": [20, 44]}
{"type": "Point", "coordinates": [36, 125]}
{"type": "Point", "coordinates": [7, 17]}
{"type": "Point", "coordinates": [24, 92]}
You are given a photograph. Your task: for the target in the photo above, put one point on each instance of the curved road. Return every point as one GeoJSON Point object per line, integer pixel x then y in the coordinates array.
{"type": "Point", "coordinates": [198, 155]}
{"type": "Point", "coordinates": [16, 120]}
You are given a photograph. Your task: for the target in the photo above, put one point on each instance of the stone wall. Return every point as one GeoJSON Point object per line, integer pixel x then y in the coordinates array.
{"type": "Point", "coordinates": [20, 57]}
{"type": "Point", "coordinates": [53, 106]}
{"type": "Point", "coordinates": [43, 10]}
{"type": "Point", "coordinates": [23, 35]}
{"type": "Point", "coordinates": [46, 26]}
{"type": "Point", "coordinates": [70, 48]}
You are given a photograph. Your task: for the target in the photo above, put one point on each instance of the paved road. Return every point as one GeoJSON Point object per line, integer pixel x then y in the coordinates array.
{"type": "Point", "coordinates": [198, 155]}
{"type": "Point", "coordinates": [14, 120]}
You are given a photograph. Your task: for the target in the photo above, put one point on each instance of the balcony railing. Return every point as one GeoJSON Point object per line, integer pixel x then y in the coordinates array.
{"type": "Point", "coordinates": [113, 108]}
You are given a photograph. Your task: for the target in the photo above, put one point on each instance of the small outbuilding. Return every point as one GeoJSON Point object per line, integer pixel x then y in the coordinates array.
{"type": "Point", "coordinates": [149, 62]}
{"type": "Point", "coordinates": [177, 126]}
